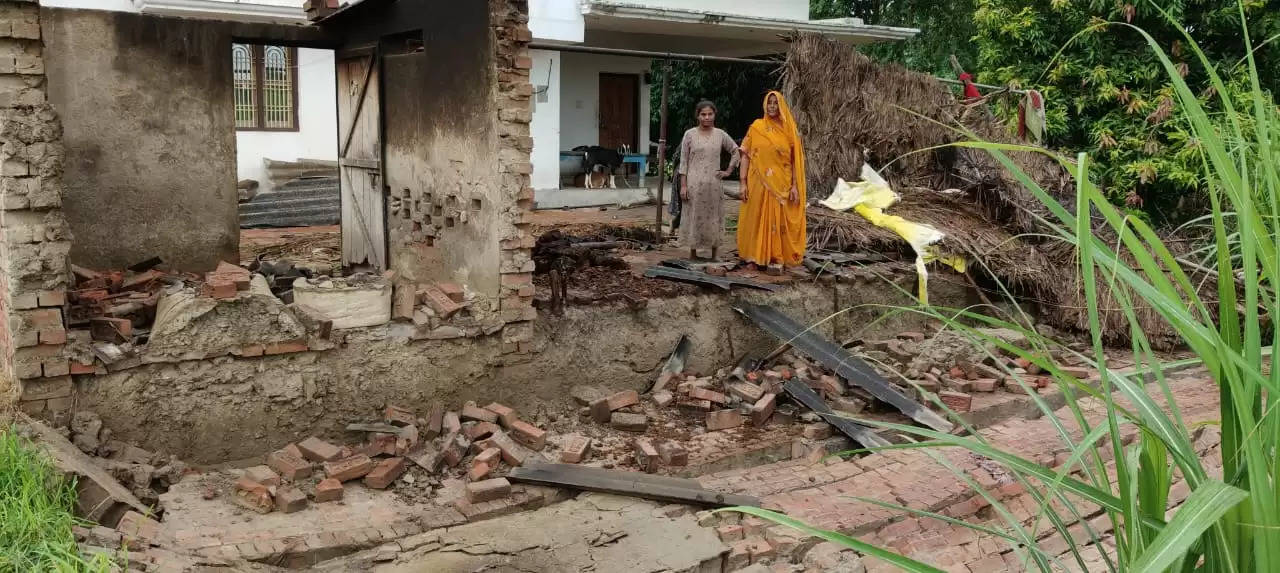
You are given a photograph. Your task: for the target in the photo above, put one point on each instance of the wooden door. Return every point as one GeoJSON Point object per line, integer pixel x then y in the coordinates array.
{"type": "Point", "coordinates": [364, 228]}
{"type": "Point", "coordinates": [619, 110]}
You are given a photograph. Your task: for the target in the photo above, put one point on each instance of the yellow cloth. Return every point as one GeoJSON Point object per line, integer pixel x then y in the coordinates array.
{"type": "Point", "coordinates": [869, 198]}
{"type": "Point", "coordinates": [771, 227]}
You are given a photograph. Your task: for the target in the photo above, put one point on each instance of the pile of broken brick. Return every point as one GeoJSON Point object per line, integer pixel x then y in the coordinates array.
{"type": "Point", "coordinates": [474, 441]}
{"type": "Point", "coordinates": [119, 306]}
{"type": "Point", "coordinates": [145, 474]}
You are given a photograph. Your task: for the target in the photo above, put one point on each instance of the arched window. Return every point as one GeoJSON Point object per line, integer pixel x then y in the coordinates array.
{"type": "Point", "coordinates": [266, 89]}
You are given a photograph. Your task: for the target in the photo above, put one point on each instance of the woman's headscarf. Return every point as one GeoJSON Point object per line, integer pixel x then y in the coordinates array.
{"type": "Point", "coordinates": [790, 128]}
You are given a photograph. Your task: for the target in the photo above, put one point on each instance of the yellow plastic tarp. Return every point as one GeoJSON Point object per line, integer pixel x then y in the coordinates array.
{"type": "Point", "coordinates": [869, 198]}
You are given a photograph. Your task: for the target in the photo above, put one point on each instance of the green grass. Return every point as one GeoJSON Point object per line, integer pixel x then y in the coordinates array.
{"type": "Point", "coordinates": [1231, 520]}
{"type": "Point", "coordinates": [35, 513]}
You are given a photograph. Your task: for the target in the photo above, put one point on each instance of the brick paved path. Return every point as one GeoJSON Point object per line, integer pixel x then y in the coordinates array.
{"type": "Point", "coordinates": [819, 493]}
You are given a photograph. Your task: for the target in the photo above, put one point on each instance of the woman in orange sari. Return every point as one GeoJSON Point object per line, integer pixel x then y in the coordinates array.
{"type": "Point", "coordinates": [771, 221]}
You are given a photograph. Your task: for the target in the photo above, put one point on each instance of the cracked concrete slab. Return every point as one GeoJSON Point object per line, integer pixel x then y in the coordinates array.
{"type": "Point", "coordinates": [595, 532]}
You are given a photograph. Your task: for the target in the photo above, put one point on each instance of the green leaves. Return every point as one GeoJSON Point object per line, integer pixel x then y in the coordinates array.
{"type": "Point", "coordinates": [1200, 512]}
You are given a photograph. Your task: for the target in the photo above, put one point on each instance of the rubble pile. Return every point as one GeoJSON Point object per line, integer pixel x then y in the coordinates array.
{"type": "Point", "coordinates": [476, 444]}
{"type": "Point", "coordinates": [145, 474]}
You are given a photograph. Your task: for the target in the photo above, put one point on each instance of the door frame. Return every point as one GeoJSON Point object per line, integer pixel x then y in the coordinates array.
{"type": "Point", "coordinates": [635, 105]}
{"type": "Point", "coordinates": [382, 244]}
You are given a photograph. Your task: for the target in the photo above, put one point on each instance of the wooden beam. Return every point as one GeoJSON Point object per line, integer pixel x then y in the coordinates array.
{"type": "Point", "coordinates": [633, 484]}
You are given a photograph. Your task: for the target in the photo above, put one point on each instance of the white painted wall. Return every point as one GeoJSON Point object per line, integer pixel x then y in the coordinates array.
{"type": "Point", "coordinates": [286, 11]}
{"type": "Point", "coordinates": [111, 5]}
{"type": "Point", "coordinates": [546, 118]}
{"type": "Point", "coordinates": [580, 97]}
{"type": "Point", "coordinates": [556, 20]}
{"type": "Point", "coordinates": [317, 137]}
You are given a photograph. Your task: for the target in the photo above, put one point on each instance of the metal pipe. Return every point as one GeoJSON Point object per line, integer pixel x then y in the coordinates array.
{"type": "Point", "coordinates": [649, 54]}
{"type": "Point", "coordinates": [662, 141]}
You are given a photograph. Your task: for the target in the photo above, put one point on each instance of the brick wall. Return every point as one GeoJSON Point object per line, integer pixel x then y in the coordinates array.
{"type": "Point", "coordinates": [34, 237]}
{"type": "Point", "coordinates": [510, 21]}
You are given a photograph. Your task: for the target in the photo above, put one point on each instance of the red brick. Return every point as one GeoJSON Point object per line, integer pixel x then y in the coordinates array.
{"type": "Point", "coordinates": [761, 551]}
{"type": "Point", "coordinates": [829, 386]}
{"type": "Point", "coordinates": [479, 470]}
{"type": "Point", "coordinates": [490, 456]}
{"type": "Point", "coordinates": [524, 63]}
{"type": "Point", "coordinates": [848, 406]}
{"type": "Point", "coordinates": [455, 448]}
{"type": "Point", "coordinates": [385, 473]}
{"type": "Point", "coordinates": [730, 533]}
{"type": "Point", "coordinates": [450, 423]}
{"type": "Point", "coordinates": [78, 368]}
{"type": "Point", "coordinates": [135, 526]}
{"type": "Point", "coordinates": [290, 499]}
{"type": "Point", "coordinates": [747, 391]}
{"type": "Point", "coordinates": [289, 466]}
{"type": "Point", "coordinates": [52, 297]}
{"type": "Point", "coordinates": [629, 422]}
{"type": "Point", "coordinates": [252, 350]}
{"type": "Point", "coordinates": [472, 412]}
{"type": "Point", "coordinates": [762, 410]}
{"type": "Point", "coordinates": [958, 401]}
{"type": "Point", "coordinates": [708, 395]}
{"type": "Point", "coordinates": [107, 329]}
{"type": "Point", "coordinates": [673, 454]}
{"type": "Point", "coordinates": [404, 298]}
{"type": "Point", "coordinates": [286, 347]}
{"type": "Point", "coordinates": [252, 495]}
{"type": "Point", "coordinates": [58, 336]}
{"type": "Point", "coordinates": [435, 421]}
{"type": "Point", "coordinates": [399, 416]}
{"type": "Point", "coordinates": [379, 444]}
{"type": "Point", "coordinates": [453, 291]}
{"type": "Point", "coordinates": [663, 398]}
{"type": "Point", "coordinates": [328, 489]}
{"type": "Point", "coordinates": [817, 431]}
{"type": "Point", "coordinates": [530, 436]}
{"type": "Point", "coordinates": [440, 302]}
{"type": "Point", "coordinates": [647, 456]}
{"type": "Point", "coordinates": [602, 409]}
{"type": "Point", "coordinates": [479, 430]}
{"type": "Point", "coordinates": [512, 453]}
{"type": "Point", "coordinates": [1080, 372]}
{"type": "Point", "coordinates": [576, 450]}
{"type": "Point", "coordinates": [318, 450]}
{"type": "Point", "coordinates": [724, 419]}
{"type": "Point", "coordinates": [695, 406]}
{"type": "Point", "coordinates": [985, 385]}
{"type": "Point", "coordinates": [219, 288]}
{"type": "Point", "coordinates": [488, 490]}
{"type": "Point", "coordinates": [263, 475]}
{"type": "Point", "coordinates": [506, 415]}
{"type": "Point", "coordinates": [347, 469]}
{"type": "Point", "coordinates": [140, 281]}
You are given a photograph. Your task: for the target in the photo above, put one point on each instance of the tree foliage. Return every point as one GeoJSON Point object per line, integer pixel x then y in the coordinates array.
{"type": "Point", "coordinates": [946, 29]}
{"type": "Point", "coordinates": [736, 89]}
{"type": "Point", "coordinates": [1105, 91]}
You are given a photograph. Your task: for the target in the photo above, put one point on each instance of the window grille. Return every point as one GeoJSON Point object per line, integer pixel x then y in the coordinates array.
{"type": "Point", "coordinates": [266, 91]}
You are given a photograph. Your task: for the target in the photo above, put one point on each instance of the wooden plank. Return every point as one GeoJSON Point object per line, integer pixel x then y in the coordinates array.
{"type": "Point", "coordinates": [634, 484]}
{"type": "Point", "coordinates": [373, 164]}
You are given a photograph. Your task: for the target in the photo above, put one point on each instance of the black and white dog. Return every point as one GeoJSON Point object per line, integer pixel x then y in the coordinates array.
{"type": "Point", "coordinates": [597, 159]}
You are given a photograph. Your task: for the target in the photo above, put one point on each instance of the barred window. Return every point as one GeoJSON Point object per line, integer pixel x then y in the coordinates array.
{"type": "Point", "coordinates": [265, 86]}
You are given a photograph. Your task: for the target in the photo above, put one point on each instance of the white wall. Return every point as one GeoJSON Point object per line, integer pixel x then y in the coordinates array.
{"type": "Point", "coordinates": [580, 97]}
{"type": "Point", "coordinates": [317, 137]}
{"type": "Point", "coordinates": [787, 9]}
{"type": "Point", "coordinates": [545, 127]}
{"type": "Point", "coordinates": [556, 20]}
{"type": "Point", "coordinates": [112, 5]}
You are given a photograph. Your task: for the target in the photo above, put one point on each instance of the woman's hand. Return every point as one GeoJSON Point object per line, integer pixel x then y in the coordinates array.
{"type": "Point", "coordinates": [684, 188]}
{"type": "Point", "coordinates": [742, 195]}
{"type": "Point", "coordinates": [722, 174]}
{"type": "Point", "coordinates": [795, 195]}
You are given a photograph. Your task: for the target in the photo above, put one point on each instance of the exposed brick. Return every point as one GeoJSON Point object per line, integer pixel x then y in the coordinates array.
{"type": "Point", "coordinates": [488, 490]}
{"type": "Point", "coordinates": [289, 466]}
{"type": "Point", "coordinates": [328, 489]}
{"type": "Point", "coordinates": [78, 368]}
{"type": "Point", "coordinates": [385, 473]}
{"type": "Point", "coordinates": [52, 297]}
{"type": "Point", "coordinates": [848, 405]}
{"type": "Point", "coordinates": [708, 395]}
{"type": "Point", "coordinates": [576, 449]}
{"type": "Point", "coordinates": [289, 499]}
{"type": "Point", "coordinates": [252, 495]}
{"type": "Point", "coordinates": [404, 299]}
{"type": "Point", "coordinates": [109, 329]}
{"type": "Point", "coordinates": [958, 401]}
{"type": "Point", "coordinates": [530, 436]}
{"type": "Point", "coordinates": [985, 385]}
{"type": "Point", "coordinates": [763, 409]}
{"type": "Point", "coordinates": [828, 385]}
{"type": "Point", "coordinates": [602, 408]}
{"type": "Point", "coordinates": [286, 347]}
{"type": "Point", "coordinates": [450, 423]}
{"type": "Point", "coordinates": [695, 406]}
{"type": "Point", "coordinates": [347, 469]}
{"type": "Point", "coordinates": [479, 430]}
{"type": "Point", "coordinates": [252, 350]}
{"type": "Point", "coordinates": [730, 533]}
{"type": "Point", "coordinates": [135, 526]}
{"type": "Point", "coordinates": [454, 449]}
{"type": "Point", "coordinates": [663, 398]}
{"type": "Point", "coordinates": [672, 453]}
{"type": "Point", "coordinates": [647, 456]}
{"type": "Point", "coordinates": [513, 453]}
{"type": "Point", "coordinates": [479, 470]}
{"type": "Point", "coordinates": [439, 302]}
{"type": "Point", "coordinates": [817, 431]}
{"type": "Point", "coordinates": [399, 416]}
{"type": "Point", "coordinates": [472, 412]}
{"type": "Point", "coordinates": [747, 391]}
{"type": "Point", "coordinates": [628, 422]}
{"type": "Point", "coordinates": [506, 415]}
{"type": "Point", "coordinates": [724, 419]}
{"type": "Point", "coordinates": [435, 421]}
{"type": "Point", "coordinates": [761, 551]}
{"type": "Point", "coordinates": [454, 291]}
{"type": "Point", "coordinates": [318, 450]}
{"type": "Point", "coordinates": [263, 475]}
{"type": "Point", "coordinates": [46, 388]}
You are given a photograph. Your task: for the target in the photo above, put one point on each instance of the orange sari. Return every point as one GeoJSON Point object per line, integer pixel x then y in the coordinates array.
{"type": "Point", "coordinates": [771, 227]}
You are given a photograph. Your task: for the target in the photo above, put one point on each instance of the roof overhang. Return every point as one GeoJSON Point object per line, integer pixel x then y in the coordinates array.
{"type": "Point", "coordinates": [624, 25]}
{"type": "Point", "coordinates": [224, 10]}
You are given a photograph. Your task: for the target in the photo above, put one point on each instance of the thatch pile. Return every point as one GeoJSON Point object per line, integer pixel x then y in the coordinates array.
{"type": "Point", "coordinates": [852, 110]}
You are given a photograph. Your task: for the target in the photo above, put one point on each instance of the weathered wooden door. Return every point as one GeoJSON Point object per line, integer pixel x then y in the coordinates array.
{"type": "Point", "coordinates": [364, 225]}
{"type": "Point", "coordinates": [619, 112]}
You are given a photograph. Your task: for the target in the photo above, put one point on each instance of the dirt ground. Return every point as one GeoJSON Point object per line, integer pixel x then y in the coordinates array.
{"type": "Point", "coordinates": [316, 248]}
